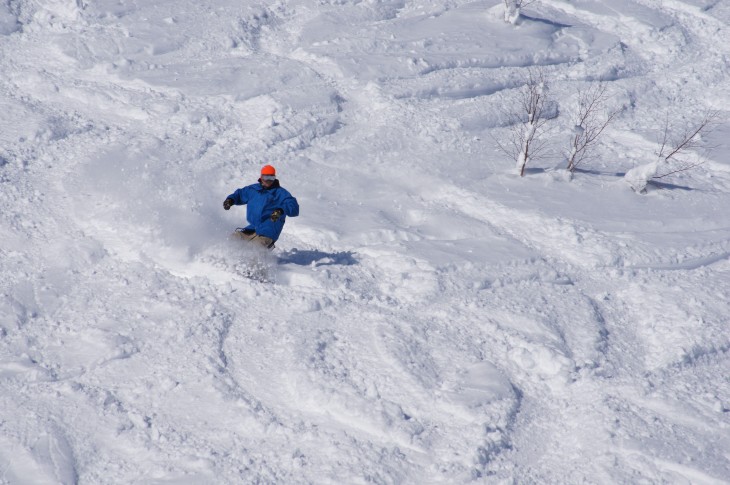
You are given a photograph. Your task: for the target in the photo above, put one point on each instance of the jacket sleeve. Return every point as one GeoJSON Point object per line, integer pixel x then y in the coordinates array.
{"type": "Point", "coordinates": [240, 196]}
{"type": "Point", "coordinates": [289, 205]}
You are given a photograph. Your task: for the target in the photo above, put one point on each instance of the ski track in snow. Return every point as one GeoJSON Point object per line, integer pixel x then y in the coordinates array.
{"type": "Point", "coordinates": [429, 318]}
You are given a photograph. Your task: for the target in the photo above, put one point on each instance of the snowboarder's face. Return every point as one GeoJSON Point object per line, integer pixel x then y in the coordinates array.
{"type": "Point", "coordinates": [267, 180]}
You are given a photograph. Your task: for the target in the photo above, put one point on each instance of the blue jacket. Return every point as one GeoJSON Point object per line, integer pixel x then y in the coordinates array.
{"type": "Point", "coordinates": [261, 202]}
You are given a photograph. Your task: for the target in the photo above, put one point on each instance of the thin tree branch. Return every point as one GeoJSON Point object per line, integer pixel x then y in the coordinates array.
{"type": "Point", "coordinates": [588, 128]}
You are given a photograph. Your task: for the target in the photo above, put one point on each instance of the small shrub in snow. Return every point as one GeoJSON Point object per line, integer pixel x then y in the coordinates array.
{"type": "Point", "coordinates": [591, 120]}
{"type": "Point", "coordinates": [671, 158]}
{"type": "Point", "coordinates": [527, 119]}
{"type": "Point", "coordinates": [690, 140]}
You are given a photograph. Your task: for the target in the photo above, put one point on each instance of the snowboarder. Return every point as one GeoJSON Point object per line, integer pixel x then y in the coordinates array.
{"type": "Point", "coordinates": [268, 205]}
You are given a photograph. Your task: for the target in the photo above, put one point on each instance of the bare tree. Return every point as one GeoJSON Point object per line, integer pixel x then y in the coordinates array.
{"type": "Point", "coordinates": [671, 157]}
{"type": "Point", "coordinates": [589, 123]}
{"type": "Point", "coordinates": [689, 140]}
{"type": "Point", "coordinates": [527, 121]}
{"type": "Point", "coordinates": [512, 9]}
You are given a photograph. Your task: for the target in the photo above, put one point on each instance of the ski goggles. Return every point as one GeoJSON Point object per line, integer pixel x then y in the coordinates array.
{"type": "Point", "coordinates": [268, 178]}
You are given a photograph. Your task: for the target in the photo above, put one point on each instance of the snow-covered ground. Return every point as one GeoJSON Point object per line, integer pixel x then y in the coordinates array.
{"type": "Point", "coordinates": [431, 316]}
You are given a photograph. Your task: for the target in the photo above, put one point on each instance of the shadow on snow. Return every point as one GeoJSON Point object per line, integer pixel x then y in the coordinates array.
{"type": "Point", "coordinates": [319, 258]}
{"type": "Point", "coordinates": [551, 23]}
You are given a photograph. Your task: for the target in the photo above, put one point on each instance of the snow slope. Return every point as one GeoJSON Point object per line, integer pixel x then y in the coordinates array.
{"type": "Point", "coordinates": [431, 317]}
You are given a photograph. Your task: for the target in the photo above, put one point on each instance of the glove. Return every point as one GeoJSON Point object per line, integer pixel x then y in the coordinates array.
{"type": "Point", "coordinates": [227, 204]}
{"type": "Point", "coordinates": [276, 214]}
